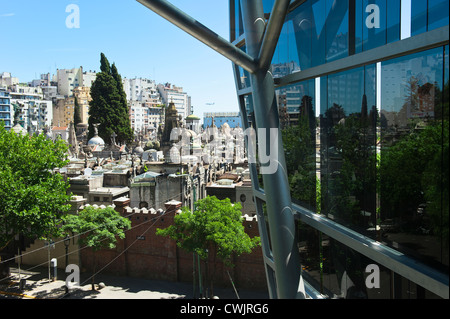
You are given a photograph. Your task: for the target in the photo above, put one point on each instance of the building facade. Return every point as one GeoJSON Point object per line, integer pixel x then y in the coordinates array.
{"type": "Point", "coordinates": [83, 96]}
{"type": "Point", "coordinates": [174, 94]}
{"type": "Point", "coordinates": [355, 84]}
{"type": "Point", "coordinates": [69, 79]}
{"type": "Point", "coordinates": [63, 111]}
{"type": "Point", "coordinates": [142, 90]}
{"type": "Point", "coordinates": [232, 118]}
{"type": "Point", "coordinates": [5, 108]}
{"type": "Point", "coordinates": [32, 112]}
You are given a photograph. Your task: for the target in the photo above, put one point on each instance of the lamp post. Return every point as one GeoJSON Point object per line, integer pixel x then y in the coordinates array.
{"type": "Point", "coordinates": [66, 244]}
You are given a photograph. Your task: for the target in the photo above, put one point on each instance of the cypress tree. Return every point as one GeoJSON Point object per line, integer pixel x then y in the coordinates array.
{"type": "Point", "coordinates": [109, 106]}
{"type": "Point", "coordinates": [77, 113]}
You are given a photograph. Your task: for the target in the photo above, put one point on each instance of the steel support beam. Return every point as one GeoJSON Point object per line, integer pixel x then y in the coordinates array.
{"type": "Point", "coordinates": [188, 24]}
{"type": "Point", "coordinates": [272, 33]}
{"type": "Point", "coordinates": [288, 278]}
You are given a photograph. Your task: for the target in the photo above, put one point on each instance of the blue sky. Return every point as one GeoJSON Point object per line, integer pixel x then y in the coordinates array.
{"type": "Point", "coordinates": [35, 40]}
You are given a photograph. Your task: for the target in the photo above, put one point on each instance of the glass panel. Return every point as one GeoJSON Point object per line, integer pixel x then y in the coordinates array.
{"type": "Point", "coordinates": [348, 154]}
{"type": "Point", "coordinates": [318, 36]}
{"type": "Point", "coordinates": [301, 22]}
{"type": "Point", "coordinates": [374, 23]}
{"type": "Point", "coordinates": [244, 75]}
{"type": "Point", "coordinates": [268, 5]}
{"type": "Point", "coordinates": [418, 16]}
{"type": "Point", "coordinates": [438, 11]}
{"type": "Point", "coordinates": [338, 271]}
{"type": "Point", "coordinates": [298, 124]}
{"type": "Point", "coordinates": [393, 21]}
{"type": "Point", "coordinates": [336, 30]}
{"type": "Point", "coordinates": [414, 157]}
{"type": "Point", "coordinates": [238, 28]}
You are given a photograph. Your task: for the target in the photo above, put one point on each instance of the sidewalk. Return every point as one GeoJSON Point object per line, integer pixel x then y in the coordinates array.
{"type": "Point", "coordinates": [38, 286]}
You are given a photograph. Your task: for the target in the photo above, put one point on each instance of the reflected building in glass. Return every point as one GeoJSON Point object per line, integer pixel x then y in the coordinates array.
{"type": "Point", "coordinates": [362, 94]}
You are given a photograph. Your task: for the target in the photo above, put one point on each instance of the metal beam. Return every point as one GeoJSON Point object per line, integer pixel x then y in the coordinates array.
{"type": "Point", "coordinates": [201, 33]}
{"type": "Point", "coordinates": [274, 26]}
{"type": "Point", "coordinates": [407, 267]}
{"type": "Point", "coordinates": [286, 258]}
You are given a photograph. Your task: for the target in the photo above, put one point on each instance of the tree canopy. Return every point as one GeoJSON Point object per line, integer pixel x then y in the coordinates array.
{"type": "Point", "coordinates": [213, 224]}
{"type": "Point", "coordinates": [77, 113]}
{"type": "Point", "coordinates": [98, 227]}
{"type": "Point", "coordinates": [109, 106]}
{"type": "Point", "coordinates": [33, 199]}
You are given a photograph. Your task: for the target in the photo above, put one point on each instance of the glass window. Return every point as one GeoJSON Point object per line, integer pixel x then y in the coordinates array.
{"type": "Point", "coordinates": [268, 5]}
{"type": "Point", "coordinates": [414, 157]}
{"type": "Point", "coordinates": [238, 29]}
{"type": "Point", "coordinates": [338, 271]}
{"type": "Point", "coordinates": [347, 146]}
{"type": "Point", "coordinates": [438, 12]}
{"type": "Point", "coordinates": [298, 124]}
{"type": "Point", "coordinates": [377, 22]}
{"type": "Point", "coordinates": [301, 25]}
{"type": "Point", "coordinates": [336, 28]}
{"type": "Point", "coordinates": [374, 23]}
{"type": "Point", "coordinates": [418, 16]}
{"type": "Point", "coordinates": [393, 21]}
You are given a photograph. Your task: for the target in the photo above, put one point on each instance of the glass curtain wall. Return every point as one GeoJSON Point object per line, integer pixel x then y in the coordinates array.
{"type": "Point", "coordinates": [367, 147]}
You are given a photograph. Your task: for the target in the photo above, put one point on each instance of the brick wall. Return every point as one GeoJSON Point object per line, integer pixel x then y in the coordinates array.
{"type": "Point", "coordinates": [144, 254]}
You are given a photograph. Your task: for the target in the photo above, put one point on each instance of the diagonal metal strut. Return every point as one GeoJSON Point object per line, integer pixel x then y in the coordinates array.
{"type": "Point", "coordinates": [188, 24]}
{"type": "Point", "coordinates": [261, 41]}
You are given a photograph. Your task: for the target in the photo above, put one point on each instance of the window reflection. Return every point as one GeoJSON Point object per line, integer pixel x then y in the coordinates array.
{"type": "Point", "coordinates": [427, 15]}
{"type": "Point", "coordinates": [438, 12]}
{"type": "Point", "coordinates": [298, 124]}
{"type": "Point", "coordinates": [414, 157]}
{"type": "Point", "coordinates": [383, 173]}
{"type": "Point", "coordinates": [348, 136]}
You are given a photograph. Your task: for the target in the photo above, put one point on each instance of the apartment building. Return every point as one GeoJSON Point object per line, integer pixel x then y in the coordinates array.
{"type": "Point", "coordinates": [171, 93]}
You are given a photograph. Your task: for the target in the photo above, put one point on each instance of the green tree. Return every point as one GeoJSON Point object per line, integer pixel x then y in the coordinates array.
{"type": "Point", "coordinates": [77, 113]}
{"type": "Point", "coordinates": [214, 226]}
{"type": "Point", "coordinates": [97, 228]}
{"type": "Point", "coordinates": [413, 171]}
{"type": "Point", "coordinates": [33, 199]}
{"type": "Point", "coordinates": [109, 106]}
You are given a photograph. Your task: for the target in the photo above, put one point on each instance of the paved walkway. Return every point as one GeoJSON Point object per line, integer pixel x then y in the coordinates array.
{"type": "Point", "coordinates": [38, 286]}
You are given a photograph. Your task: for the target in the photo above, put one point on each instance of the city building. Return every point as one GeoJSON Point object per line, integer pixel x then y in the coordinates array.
{"type": "Point", "coordinates": [352, 210]}
{"type": "Point", "coordinates": [145, 117]}
{"type": "Point", "coordinates": [5, 108]}
{"type": "Point", "coordinates": [30, 109]}
{"type": "Point", "coordinates": [83, 96]}
{"type": "Point", "coordinates": [63, 111]}
{"type": "Point", "coordinates": [171, 93]}
{"type": "Point", "coordinates": [232, 118]}
{"type": "Point", "coordinates": [142, 90]}
{"type": "Point", "coordinates": [69, 79]}
{"type": "Point", "coordinates": [7, 80]}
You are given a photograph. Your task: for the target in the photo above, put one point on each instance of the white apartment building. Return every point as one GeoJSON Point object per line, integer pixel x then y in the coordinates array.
{"type": "Point", "coordinates": [35, 113]}
{"type": "Point", "coordinates": [145, 117]}
{"type": "Point", "coordinates": [69, 79]}
{"type": "Point", "coordinates": [142, 90]}
{"type": "Point", "coordinates": [7, 80]}
{"type": "Point", "coordinates": [171, 93]}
